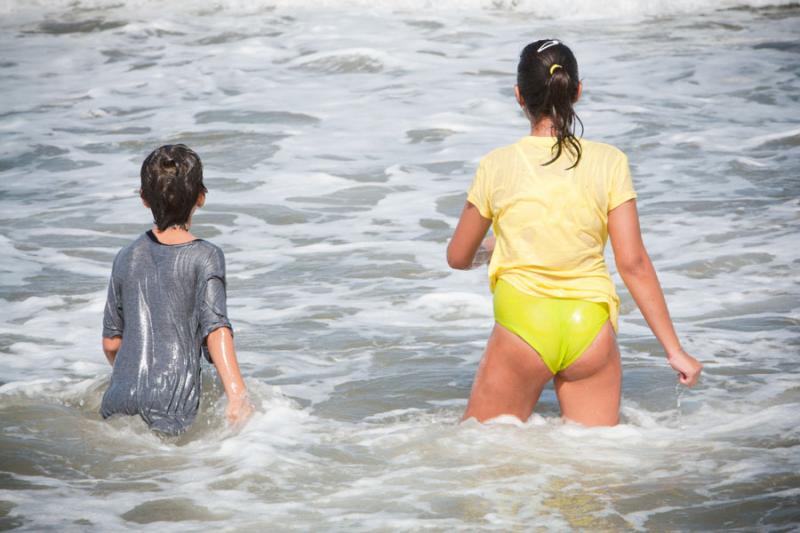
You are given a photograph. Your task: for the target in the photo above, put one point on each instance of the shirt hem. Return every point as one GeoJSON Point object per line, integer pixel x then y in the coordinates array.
{"type": "Point", "coordinates": [483, 212]}
{"type": "Point", "coordinates": [613, 308]}
{"type": "Point", "coordinates": [629, 196]}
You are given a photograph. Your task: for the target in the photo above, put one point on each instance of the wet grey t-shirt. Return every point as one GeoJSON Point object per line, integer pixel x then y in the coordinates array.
{"type": "Point", "coordinates": [163, 300]}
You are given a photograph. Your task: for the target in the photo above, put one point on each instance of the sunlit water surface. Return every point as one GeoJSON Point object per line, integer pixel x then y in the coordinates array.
{"type": "Point", "coordinates": [338, 144]}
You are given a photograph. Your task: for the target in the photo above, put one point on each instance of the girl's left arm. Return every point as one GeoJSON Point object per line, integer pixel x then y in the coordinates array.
{"type": "Point", "coordinates": [637, 271]}
{"type": "Point", "coordinates": [468, 240]}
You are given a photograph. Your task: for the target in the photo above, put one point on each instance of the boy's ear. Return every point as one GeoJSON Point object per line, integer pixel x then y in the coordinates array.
{"type": "Point", "coordinates": [143, 200]}
{"type": "Point", "coordinates": [580, 91]}
{"type": "Point", "coordinates": [201, 200]}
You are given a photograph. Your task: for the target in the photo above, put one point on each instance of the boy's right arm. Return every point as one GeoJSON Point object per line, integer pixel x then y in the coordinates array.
{"type": "Point", "coordinates": [639, 275]}
{"type": "Point", "coordinates": [223, 355]}
{"type": "Point", "coordinates": [111, 347]}
{"type": "Point", "coordinates": [113, 320]}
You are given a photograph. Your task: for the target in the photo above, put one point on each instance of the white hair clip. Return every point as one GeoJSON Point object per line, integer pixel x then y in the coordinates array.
{"type": "Point", "coordinates": [547, 45]}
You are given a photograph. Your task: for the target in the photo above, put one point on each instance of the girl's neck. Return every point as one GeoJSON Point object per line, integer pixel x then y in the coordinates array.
{"type": "Point", "coordinates": [173, 235]}
{"type": "Point", "coordinates": [543, 128]}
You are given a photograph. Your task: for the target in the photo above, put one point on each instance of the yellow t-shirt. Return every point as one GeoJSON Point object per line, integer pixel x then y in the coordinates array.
{"type": "Point", "coordinates": [551, 224]}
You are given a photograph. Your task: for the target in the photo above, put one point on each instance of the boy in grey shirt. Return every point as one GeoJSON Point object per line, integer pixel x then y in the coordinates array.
{"type": "Point", "coordinates": [166, 306]}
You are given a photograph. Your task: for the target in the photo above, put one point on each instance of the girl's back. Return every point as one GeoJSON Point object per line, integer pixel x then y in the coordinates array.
{"type": "Point", "coordinates": [551, 221]}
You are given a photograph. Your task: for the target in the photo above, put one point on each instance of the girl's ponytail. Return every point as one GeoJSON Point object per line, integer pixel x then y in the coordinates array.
{"type": "Point", "coordinates": [547, 76]}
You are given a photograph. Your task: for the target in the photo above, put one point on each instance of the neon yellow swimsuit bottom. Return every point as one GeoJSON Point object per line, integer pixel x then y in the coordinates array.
{"type": "Point", "coordinates": [559, 329]}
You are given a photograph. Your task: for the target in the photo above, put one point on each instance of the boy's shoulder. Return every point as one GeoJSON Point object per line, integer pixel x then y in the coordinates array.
{"type": "Point", "coordinates": [203, 250]}
{"type": "Point", "coordinates": [208, 249]}
{"type": "Point", "coordinates": [130, 249]}
{"type": "Point", "coordinates": [208, 246]}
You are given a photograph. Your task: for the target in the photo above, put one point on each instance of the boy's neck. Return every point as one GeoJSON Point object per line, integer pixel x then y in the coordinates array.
{"type": "Point", "coordinates": [173, 235]}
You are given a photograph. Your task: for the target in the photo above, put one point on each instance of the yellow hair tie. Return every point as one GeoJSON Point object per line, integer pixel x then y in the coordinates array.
{"type": "Point", "coordinates": [554, 67]}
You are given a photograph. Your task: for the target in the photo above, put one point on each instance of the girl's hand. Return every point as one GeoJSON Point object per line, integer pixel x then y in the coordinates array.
{"type": "Point", "coordinates": [238, 410]}
{"type": "Point", "coordinates": [467, 239]}
{"type": "Point", "coordinates": [688, 367]}
{"type": "Point", "coordinates": [484, 253]}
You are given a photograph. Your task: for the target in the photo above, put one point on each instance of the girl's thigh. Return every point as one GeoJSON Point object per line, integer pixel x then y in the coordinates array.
{"type": "Point", "coordinates": [509, 380]}
{"type": "Point", "coordinates": [589, 389]}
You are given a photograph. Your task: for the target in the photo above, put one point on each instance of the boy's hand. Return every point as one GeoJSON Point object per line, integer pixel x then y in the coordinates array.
{"type": "Point", "coordinates": [238, 411]}
{"type": "Point", "coordinates": [688, 367]}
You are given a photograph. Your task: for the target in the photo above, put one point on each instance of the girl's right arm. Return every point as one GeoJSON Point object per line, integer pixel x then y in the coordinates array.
{"type": "Point", "coordinates": [636, 270]}
{"type": "Point", "coordinates": [223, 355]}
{"type": "Point", "coordinates": [468, 249]}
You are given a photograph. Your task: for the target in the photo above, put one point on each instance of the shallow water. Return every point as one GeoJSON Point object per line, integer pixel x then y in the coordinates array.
{"type": "Point", "coordinates": [338, 144]}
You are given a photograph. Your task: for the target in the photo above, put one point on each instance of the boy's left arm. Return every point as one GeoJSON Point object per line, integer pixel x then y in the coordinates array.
{"type": "Point", "coordinates": [223, 355]}
{"type": "Point", "coordinates": [219, 339]}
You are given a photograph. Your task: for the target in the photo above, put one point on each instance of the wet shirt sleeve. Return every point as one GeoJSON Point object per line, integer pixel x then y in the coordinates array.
{"type": "Point", "coordinates": [479, 194]}
{"type": "Point", "coordinates": [620, 188]}
{"type": "Point", "coordinates": [212, 297]}
{"type": "Point", "coordinates": [113, 318]}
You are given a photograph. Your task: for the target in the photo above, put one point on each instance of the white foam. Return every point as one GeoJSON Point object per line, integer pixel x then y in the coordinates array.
{"type": "Point", "coordinates": [547, 9]}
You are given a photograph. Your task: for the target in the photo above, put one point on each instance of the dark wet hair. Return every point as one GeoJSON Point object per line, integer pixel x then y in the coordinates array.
{"type": "Point", "coordinates": [547, 76]}
{"type": "Point", "coordinates": [172, 180]}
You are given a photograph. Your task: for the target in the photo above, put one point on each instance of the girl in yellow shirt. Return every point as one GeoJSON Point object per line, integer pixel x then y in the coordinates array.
{"type": "Point", "coordinates": [552, 201]}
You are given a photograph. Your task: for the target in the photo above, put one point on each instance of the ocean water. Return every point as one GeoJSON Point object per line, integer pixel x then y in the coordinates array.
{"type": "Point", "coordinates": [339, 140]}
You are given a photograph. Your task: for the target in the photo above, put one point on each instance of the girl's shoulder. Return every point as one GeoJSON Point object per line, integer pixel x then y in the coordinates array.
{"type": "Point", "coordinates": [587, 146]}
{"type": "Point", "coordinates": [595, 156]}
{"type": "Point", "coordinates": [501, 151]}
{"type": "Point", "coordinates": [601, 150]}
{"type": "Point", "coordinates": [498, 155]}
